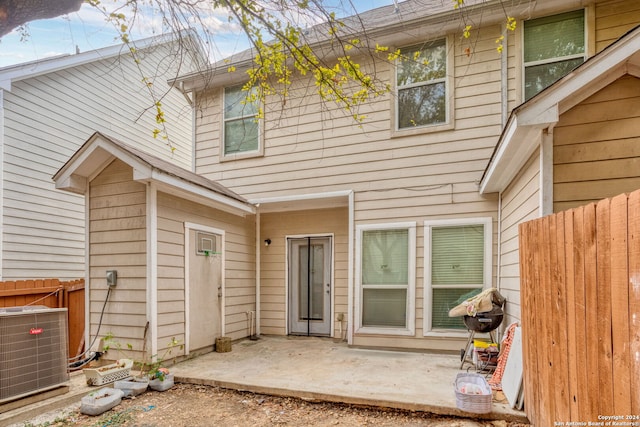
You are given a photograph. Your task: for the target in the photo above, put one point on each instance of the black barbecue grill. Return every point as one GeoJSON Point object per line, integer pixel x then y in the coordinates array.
{"type": "Point", "coordinates": [486, 322]}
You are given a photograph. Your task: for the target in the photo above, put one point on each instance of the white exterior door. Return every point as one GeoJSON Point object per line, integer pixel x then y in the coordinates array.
{"type": "Point", "coordinates": [205, 288]}
{"type": "Point", "coordinates": [310, 286]}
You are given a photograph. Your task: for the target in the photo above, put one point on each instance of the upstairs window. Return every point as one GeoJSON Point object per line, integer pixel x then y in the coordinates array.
{"type": "Point", "coordinates": [241, 130]}
{"type": "Point", "coordinates": [421, 83]}
{"type": "Point", "coordinates": [553, 46]}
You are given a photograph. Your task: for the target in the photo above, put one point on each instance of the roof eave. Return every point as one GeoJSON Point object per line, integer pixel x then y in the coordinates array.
{"type": "Point", "coordinates": [517, 142]}
{"type": "Point", "coordinates": [99, 151]}
{"type": "Point", "coordinates": [14, 73]}
{"type": "Point", "coordinates": [217, 74]}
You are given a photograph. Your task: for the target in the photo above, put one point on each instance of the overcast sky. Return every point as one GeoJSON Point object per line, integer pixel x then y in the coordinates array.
{"type": "Point", "coordinates": [87, 30]}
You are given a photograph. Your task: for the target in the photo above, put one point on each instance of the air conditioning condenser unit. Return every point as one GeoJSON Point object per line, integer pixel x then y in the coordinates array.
{"type": "Point", "coordinates": [33, 350]}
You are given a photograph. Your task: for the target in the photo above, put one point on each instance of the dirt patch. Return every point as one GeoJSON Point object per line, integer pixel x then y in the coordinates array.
{"type": "Point", "coordinates": [194, 405]}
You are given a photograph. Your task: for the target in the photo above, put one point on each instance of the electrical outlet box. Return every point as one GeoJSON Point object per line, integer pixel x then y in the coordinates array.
{"type": "Point", "coordinates": [112, 278]}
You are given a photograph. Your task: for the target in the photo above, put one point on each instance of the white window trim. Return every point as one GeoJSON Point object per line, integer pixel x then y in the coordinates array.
{"type": "Point", "coordinates": [487, 222]}
{"type": "Point", "coordinates": [411, 289]}
{"type": "Point", "coordinates": [585, 55]}
{"type": "Point", "coordinates": [245, 154]}
{"type": "Point", "coordinates": [449, 97]}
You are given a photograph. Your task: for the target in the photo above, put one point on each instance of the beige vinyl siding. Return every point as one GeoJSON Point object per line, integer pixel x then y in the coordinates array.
{"type": "Point", "coordinates": [311, 147]}
{"type": "Point", "coordinates": [239, 258]}
{"type": "Point", "coordinates": [520, 203]}
{"type": "Point", "coordinates": [117, 239]}
{"type": "Point", "coordinates": [596, 152]}
{"type": "Point", "coordinates": [277, 226]}
{"type": "Point", "coordinates": [46, 119]}
{"type": "Point", "coordinates": [613, 19]}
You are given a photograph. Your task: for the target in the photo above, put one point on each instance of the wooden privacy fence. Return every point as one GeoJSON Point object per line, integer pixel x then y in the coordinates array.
{"type": "Point", "coordinates": [580, 296]}
{"type": "Point", "coordinates": [54, 294]}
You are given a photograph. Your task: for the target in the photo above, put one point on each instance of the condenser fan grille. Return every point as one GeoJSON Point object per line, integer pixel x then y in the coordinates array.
{"type": "Point", "coordinates": [33, 350]}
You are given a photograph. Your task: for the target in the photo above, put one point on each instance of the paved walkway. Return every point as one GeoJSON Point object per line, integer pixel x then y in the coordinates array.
{"type": "Point", "coordinates": [314, 368]}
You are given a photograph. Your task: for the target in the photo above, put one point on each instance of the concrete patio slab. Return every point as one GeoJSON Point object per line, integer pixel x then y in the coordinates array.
{"type": "Point", "coordinates": [322, 369]}
{"type": "Point", "coordinates": [316, 369]}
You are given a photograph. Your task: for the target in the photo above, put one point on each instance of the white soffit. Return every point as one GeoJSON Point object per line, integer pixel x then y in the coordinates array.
{"type": "Point", "coordinates": [303, 202]}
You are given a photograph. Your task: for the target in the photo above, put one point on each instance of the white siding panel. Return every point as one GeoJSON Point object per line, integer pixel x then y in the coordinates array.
{"type": "Point", "coordinates": [520, 203]}
{"type": "Point", "coordinates": [46, 119]}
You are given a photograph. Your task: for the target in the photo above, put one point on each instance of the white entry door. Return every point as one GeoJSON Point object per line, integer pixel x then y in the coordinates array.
{"type": "Point", "coordinates": [205, 288]}
{"type": "Point", "coordinates": [310, 286]}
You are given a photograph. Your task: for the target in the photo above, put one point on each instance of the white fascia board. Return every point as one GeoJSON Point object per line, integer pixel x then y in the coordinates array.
{"type": "Point", "coordinates": [544, 110]}
{"type": "Point", "coordinates": [488, 185]}
{"type": "Point", "coordinates": [15, 73]}
{"type": "Point", "coordinates": [5, 84]}
{"type": "Point", "coordinates": [72, 183]}
{"type": "Point", "coordinates": [538, 117]}
{"type": "Point", "coordinates": [513, 152]}
{"type": "Point", "coordinates": [91, 160]}
{"type": "Point", "coordinates": [221, 201]}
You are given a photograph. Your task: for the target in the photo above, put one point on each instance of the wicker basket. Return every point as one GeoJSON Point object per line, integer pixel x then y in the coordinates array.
{"type": "Point", "coordinates": [109, 373]}
{"type": "Point", "coordinates": [476, 403]}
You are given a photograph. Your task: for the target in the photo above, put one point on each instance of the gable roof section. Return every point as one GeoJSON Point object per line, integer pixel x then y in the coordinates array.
{"type": "Point", "coordinates": [100, 150]}
{"type": "Point", "coordinates": [415, 20]}
{"type": "Point", "coordinates": [18, 72]}
{"type": "Point", "coordinates": [519, 137]}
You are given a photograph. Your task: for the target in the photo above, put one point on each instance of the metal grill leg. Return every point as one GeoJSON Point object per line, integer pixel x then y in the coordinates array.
{"type": "Point", "coordinates": [466, 348]}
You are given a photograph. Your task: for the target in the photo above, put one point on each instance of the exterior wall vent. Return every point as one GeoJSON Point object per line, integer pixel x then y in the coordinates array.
{"type": "Point", "coordinates": [33, 350]}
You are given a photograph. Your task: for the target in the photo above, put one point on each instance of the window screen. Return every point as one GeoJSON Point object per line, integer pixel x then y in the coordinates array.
{"type": "Point", "coordinates": [457, 268]}
{"type": "Point", "coordinates": [553, 46]}
{"type": "Point", "coordinates": [385, 277]}
{"type": "Point", "coordinates": [241, 132]}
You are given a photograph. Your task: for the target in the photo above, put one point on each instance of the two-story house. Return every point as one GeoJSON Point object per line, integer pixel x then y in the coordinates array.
{"type": "Point", "coordinates": [48, 108]}
{"type": "Point", "coordinates": [371, 232]}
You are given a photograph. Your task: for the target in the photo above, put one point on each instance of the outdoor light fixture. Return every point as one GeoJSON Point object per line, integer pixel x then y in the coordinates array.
{"type": "Point", "coordinates": [267, 242]}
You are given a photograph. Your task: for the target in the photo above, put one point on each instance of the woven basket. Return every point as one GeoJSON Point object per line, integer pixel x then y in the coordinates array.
{"type": "Point", "coordinates": [109, 373]}
{"type": "Point", "coordinates": [476, 403]}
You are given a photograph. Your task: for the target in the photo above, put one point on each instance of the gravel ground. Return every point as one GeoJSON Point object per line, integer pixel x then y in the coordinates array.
{"type": "Point", "coordinates": [193, 405]}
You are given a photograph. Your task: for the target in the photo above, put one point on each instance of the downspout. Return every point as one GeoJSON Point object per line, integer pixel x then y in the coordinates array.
{"type": "Point", "coordinates": [499, 260]}
{"type": "Point", "coordinates": [258, 272]}
{"type": "Point", "coordinates": [504, 94]}
{"type": "Point", "coordinates": [504, 97]}
{"type": "Point", "coordinates": [87, 264]}
{"type": "Point", "coordinates": [2, 182]}
{"type": "Point", "coordinates": [152, 266]}
{"type": "Point", "coordinates": [193, 128]}
{"type": "Point", "coordinates": [504, 77]}
{"type": "Point", "coordinates": [546, 171]}
{"type": "Point", "coordinates": [350, 274]}
{"type": "Point", "coordinates": [309, 286]}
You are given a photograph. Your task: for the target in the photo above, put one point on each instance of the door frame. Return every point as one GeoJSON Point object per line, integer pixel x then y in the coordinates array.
{"type": "Point", "coordinates": [287, 309]}
{"type": "Point", "coordinates": [188, 226]}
